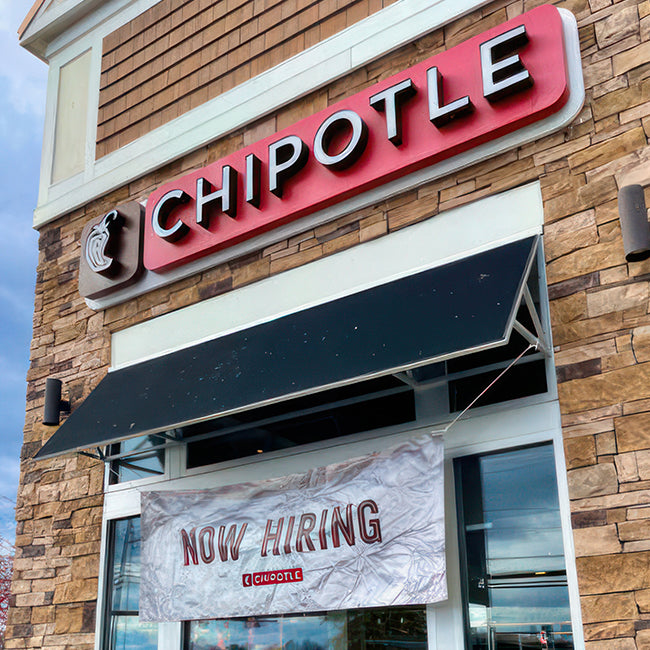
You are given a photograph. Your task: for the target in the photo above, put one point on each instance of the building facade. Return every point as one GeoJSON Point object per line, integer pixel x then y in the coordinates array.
{"type": "Point", "coordinates": [278, 236]}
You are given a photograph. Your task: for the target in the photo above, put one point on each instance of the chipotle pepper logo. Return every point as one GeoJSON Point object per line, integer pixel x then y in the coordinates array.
{"type": "Point", "coordinates": [111, 251]}
{"type": "Point", "coordinates": [100, 241]}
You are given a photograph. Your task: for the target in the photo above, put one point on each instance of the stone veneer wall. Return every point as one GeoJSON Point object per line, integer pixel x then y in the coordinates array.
{"type": "Point", "coordinates": [599, 304]}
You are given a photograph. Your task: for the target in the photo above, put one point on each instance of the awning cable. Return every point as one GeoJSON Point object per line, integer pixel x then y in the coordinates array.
{"type": "Point", "coordinates": [485, 390]}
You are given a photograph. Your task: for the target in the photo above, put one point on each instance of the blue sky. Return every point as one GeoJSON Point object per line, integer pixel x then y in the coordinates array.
{"type": "Point", "coordinates": [22, 107]}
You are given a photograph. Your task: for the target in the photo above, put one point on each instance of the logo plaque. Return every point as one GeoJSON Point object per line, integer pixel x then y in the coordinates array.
{"type": "Point", "coordinates": [111, 251]}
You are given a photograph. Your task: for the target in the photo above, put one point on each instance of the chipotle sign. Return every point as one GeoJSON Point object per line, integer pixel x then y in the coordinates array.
{"type": "Point", "coordinates": [365, 533]}
{"type": "Point", "coordinates": [489, 86]}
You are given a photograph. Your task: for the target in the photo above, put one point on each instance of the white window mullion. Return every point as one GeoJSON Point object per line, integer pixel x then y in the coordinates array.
{"type": "Point", "coordinates": [170, 636]}
{"type": "Point", "coordinates": [567, 534]}
{"type": "Point", "coordinates": [445, 620]}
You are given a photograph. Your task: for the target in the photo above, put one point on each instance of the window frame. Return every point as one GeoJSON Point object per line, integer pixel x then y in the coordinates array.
{"type": "Point", "coordinates": [108, 613]}
{"type": "Point", "coordinates": [518, 425]}
{"type": "Point", "coordinates": [462, 534]}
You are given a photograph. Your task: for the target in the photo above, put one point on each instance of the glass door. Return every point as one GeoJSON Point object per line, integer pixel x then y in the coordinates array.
{"type": "Point", "coordinates": [512, 557]}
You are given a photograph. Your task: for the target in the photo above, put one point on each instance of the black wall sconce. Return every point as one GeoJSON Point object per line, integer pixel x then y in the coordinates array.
{"type": "Point", "coordinates": [634, 223]}
{"type": "Point", "coordinates": [54, 405]}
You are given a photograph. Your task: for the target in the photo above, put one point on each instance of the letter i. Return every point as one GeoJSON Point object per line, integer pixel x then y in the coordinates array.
{"type": "Point", "coordinates": [322, 533]}
{"type": "Point", "coordinates": [253, 180]}
{"type": "Point", "coordinates": [287, 539]}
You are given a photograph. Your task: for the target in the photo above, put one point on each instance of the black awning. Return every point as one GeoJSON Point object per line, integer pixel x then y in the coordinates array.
{"type": "Point", "coordinates": [429, 316]}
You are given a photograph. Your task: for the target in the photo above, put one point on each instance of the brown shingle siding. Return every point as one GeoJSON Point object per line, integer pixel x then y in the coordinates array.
{"type": "Point", "coordinates": [173, 58]}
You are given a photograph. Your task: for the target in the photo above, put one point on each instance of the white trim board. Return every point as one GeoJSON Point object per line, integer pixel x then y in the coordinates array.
{"type": "Point", "coordinates": [572, 108]}
{"type": "Point", "coordinates": [372, 37]}
{"type": "Point", "coordinates": [449, 236]}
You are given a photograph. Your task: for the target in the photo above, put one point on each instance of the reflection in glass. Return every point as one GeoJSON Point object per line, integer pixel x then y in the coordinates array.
{"type": "Point", "coordinates": [143, 464]}
{"type": "Point", "coordinates": [370, 629]}
{"type": "Point", "coordinates": [390, 627]}
{"type": "Point", "coordinates": [126, 565]}
{"type": "Point", "coordinates": [128, 633]}
{"type": "Point", "coordinates": [515, 580]}
{"type": "Point", "coordinates": [125, 631]}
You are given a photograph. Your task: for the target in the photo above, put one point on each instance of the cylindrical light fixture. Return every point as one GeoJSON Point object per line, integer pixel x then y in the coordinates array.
{"type": "Point", "coordinates": [53, 402]}
{"type": "Point", "coordinates": [633, 216]}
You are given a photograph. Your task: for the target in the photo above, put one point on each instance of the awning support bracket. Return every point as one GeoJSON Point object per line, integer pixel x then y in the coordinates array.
{"type": "Point", "coordinates": [535, 341]}
{"type": "Point", "coordinates": [98, 456]}
{"type": "Point", "coordinates": [533, 312]}
{"type": "Point", "coordinates": [172, 436]}
{"type": "Point", "coordinates": [538, 339]}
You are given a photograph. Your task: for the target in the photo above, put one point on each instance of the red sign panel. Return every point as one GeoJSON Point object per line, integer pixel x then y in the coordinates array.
{"type": "Point", "coordinates": [493, 84]}
{"type": "Point", "coordinates": [263, 578]}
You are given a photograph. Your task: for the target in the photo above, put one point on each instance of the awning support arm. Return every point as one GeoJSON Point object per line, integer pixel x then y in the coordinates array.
{"type": "Point", "coordinates": [533, 313]}
{"type": "Point", "coordinates": [537, 339]}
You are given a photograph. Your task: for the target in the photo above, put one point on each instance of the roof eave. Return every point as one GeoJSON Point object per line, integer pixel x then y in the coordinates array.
{"type": "Point", "coordinates": [37, 32]}
{"type": "Point", "coordinates": [29, 17]}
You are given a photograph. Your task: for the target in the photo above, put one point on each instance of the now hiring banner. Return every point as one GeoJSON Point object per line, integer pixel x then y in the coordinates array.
{"type": "Point", "coordinates": [368, 532]}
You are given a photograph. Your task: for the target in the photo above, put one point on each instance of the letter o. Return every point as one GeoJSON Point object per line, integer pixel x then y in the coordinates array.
{"type": "Point", "coordinates": [353, 149]}
{"type": "Point", "coordinates": [206, 549]}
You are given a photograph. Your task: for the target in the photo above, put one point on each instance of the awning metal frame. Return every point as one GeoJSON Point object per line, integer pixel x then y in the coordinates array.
{"type": "Point", "coordinates": [172, 436]}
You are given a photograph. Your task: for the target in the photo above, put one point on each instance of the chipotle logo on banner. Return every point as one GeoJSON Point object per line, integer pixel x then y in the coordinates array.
{"type": "Point", "coordinates": [368, 532]}
{"type": "Point", "coordinates": [271, 577]}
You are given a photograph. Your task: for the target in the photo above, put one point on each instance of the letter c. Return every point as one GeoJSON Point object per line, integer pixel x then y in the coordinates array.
{"type": "Point", "coordinates": [161, 212]}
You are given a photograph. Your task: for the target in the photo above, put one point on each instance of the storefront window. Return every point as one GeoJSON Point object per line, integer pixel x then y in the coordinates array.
{"type": "Point", "coordinates": [514, 582]}
{"type": "Point", "coordinates": [144, 457]}
{"type": "Point", "coordinates": [369, 629]}
{"type": "Point", "coordinates": [343, 411]}
{"type": "Point", "coordinates": [124, 629]}
{"type": "Point", "coordinates": [515, 585]}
